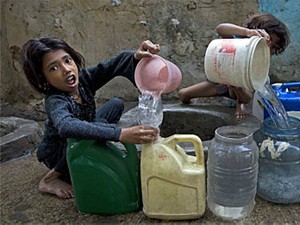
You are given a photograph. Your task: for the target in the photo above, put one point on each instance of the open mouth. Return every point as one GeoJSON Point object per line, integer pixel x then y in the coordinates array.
{"type": "Point", "coordinates": [71, 80]}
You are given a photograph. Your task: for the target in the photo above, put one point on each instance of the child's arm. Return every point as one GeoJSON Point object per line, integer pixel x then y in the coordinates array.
{"type": "Point", "coordinates": [228, 30]}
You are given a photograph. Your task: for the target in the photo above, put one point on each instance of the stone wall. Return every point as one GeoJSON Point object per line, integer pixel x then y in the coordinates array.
{"type": "Point", "coordinates": [100, 29]}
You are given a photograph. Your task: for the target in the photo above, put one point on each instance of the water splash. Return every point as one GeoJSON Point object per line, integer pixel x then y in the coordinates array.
{"type": "Point", "coordinates": [274, 106]}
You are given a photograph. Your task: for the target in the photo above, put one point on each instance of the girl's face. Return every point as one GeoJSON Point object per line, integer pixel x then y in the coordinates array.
{"type": "Point", "coordinates": [273, 43]}
{"type": "Point", "coordinates": [60, 71]}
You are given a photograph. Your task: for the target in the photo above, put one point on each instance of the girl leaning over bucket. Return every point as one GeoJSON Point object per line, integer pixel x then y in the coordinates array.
{"type": "Point", "coordinates": [56, 70]}
{"type": "Point", "coordinates": [263, 25]}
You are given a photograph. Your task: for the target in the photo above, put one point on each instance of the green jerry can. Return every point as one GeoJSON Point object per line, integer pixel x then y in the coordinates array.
{"type": "Point", "coordinates": [105, 176]}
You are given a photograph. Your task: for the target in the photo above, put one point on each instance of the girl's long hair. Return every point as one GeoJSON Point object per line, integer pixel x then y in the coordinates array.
{"type": "Point", "coordinates": [32, 54]}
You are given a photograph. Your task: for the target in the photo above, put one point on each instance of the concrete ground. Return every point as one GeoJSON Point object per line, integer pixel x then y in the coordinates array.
{"type": "Point", "coordinates": [22, 203]}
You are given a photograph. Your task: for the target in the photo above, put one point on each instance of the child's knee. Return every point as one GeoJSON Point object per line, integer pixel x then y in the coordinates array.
{"type": "Point", "coordinates": [118, 103]}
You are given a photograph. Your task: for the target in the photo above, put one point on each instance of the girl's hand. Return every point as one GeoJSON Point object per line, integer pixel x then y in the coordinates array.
{"type": "Point", "coordinates": [258, 32]}
{"type": "Point", "coordinates": [140, 134]}
{"type": "Point", "coordinates": [146, 49]}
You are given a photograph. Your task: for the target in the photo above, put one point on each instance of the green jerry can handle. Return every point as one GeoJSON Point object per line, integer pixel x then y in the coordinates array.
{"type": "Point", "coordinates": [132, 154]}
{"type": "Point", "coordinates": [181, 138]}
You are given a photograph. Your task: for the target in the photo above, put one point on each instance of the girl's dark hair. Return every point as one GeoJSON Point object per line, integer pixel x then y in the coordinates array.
{"type": "Point", "coordinates": [32, 54]}
{"type": "Point", "coordinates": [270, 24]}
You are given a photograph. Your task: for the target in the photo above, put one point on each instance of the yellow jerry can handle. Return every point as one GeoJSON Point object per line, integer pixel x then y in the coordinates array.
{"type": "Point", "coordinates": [182, 138]}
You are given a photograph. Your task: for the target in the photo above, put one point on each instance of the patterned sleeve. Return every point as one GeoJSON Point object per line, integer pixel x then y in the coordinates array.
{"type": "Point", "coordinates": [60, 115]}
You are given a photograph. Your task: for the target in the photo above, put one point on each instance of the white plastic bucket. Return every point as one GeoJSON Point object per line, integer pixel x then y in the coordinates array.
{"type": "Point", "coordinates": [242, 62]}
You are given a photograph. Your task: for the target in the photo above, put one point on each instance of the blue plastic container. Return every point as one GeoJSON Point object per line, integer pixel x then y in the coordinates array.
{"type": "Point", "coordinates": [289, 95]}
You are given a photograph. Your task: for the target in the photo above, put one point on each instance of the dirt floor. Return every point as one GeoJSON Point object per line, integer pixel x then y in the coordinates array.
{"type": "Point", "coordinates": [22, 203]}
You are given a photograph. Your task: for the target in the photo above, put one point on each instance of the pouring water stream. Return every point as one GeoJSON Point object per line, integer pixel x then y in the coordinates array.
{"type": "Point", "coordinates": [274, 106]}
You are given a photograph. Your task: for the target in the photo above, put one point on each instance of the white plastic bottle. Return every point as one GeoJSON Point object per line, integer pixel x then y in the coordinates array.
{"type": "Point", "coordinates": [150, 110]}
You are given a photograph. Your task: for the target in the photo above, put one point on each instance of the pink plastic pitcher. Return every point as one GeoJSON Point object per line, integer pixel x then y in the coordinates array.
{"type": "Point", "coordinates": [157, 75]}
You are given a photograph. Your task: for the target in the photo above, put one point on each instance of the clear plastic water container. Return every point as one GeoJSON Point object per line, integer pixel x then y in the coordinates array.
{"type": "Point", "coordinates": [232, 172]}
{"type": "Point", "coordinates": [279, 162]}
{"type": "Point", "coordinates": [150, 110]}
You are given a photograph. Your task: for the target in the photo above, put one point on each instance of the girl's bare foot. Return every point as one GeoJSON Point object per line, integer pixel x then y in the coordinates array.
{"type": "Point", "coordinates": [183, 98]}
{"type": "Point", "coordinates": [240, 110]}
{"type": "Point", "coordinates": [186, 101]}
{"type": "Point", "coordinates": [51, 183]}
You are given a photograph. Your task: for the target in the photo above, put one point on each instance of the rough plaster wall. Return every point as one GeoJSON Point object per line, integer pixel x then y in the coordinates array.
{"type": "Point", "coordinates": [95, 28]}
{"type": "Point", "coordinates": [285, 67]}
{"type": "Point", "coordinates": [100, 29]}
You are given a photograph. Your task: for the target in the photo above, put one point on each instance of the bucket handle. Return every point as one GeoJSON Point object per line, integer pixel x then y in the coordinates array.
{"type": "Point", "coordinates": [181, 138]}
